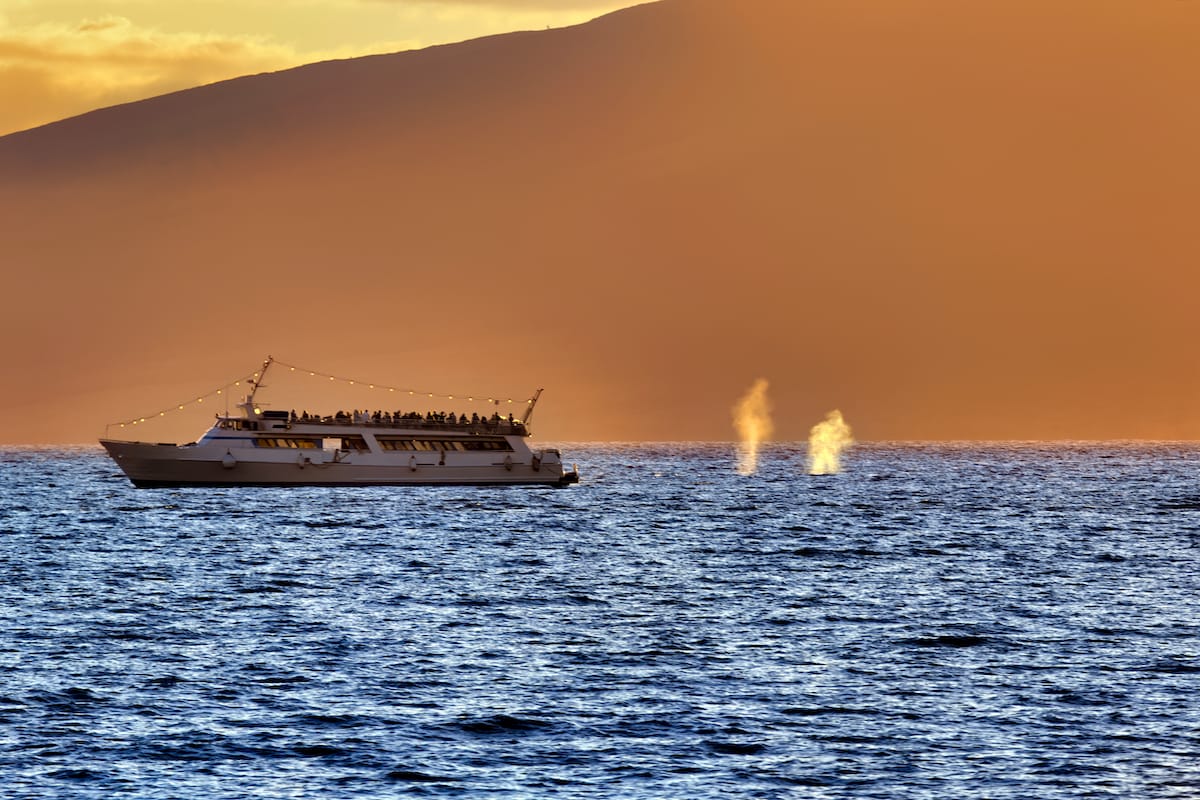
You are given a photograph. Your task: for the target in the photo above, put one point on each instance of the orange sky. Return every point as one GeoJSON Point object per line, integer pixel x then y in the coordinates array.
{"type": "Point", "coordinates": [949, 221]}
{"type": "Point", "coordinates": [63, 57]}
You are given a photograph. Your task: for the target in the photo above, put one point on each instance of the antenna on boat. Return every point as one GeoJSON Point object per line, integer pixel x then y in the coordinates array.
{"type": "Point", "coordinates": [529, 410]}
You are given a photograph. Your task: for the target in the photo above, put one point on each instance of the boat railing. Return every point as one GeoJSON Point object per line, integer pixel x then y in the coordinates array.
{"type": "Point", "coordinates": [502, 427]}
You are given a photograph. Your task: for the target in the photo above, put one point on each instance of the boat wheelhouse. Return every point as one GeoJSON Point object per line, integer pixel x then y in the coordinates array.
{"type": "Point", "coordinates": [260, 447]}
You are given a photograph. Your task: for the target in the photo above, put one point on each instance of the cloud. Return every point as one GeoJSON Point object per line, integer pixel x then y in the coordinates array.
{"type": "Point", "coordinates": [599, 6]}
{"type": "Point", "coordinates": [52, 71]}
{"type": "Point", "coordinates": [506, 14]}
{"type": "Point", "coordinates": [456, 20]}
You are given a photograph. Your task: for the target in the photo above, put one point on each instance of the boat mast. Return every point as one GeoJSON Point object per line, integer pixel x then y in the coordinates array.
{"type": "Point", "coordinates": [255, 383]}
{"type": "Point", "coordinates": [529, 410]}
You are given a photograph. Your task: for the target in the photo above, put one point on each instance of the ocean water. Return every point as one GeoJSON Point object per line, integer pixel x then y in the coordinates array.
{"type": "Point", "coordinates": [958, 621]}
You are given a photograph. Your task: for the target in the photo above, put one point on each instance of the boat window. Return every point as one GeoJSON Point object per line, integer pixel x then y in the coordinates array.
{"type": "Point", "coordinates": [487, 444]}
{"type": "Point", "coordinates": [305, 444]}
{"type": "Point", "coordinates": [356, 443]}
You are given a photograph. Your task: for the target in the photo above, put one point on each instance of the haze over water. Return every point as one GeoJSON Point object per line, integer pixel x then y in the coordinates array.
{"type": "Point", "coordinates": [937, 621]}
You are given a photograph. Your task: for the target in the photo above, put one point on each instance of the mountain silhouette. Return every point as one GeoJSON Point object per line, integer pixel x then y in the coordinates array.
{"type": "Point", "coordinates": [947, 221]}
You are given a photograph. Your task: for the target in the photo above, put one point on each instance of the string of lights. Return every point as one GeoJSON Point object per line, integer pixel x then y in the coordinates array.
{"type": "Point", "coordinates": [199, 400]}
{"type": "Point", "coordinates": [470, 398]}
{"type": "Point", "coordinates": [251, 379]}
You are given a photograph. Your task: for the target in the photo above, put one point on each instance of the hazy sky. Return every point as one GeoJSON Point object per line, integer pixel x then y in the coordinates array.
{"type": "Point", "coordinates": [59, 58]}
{"type": "Point", "coordinates": [948, 220]}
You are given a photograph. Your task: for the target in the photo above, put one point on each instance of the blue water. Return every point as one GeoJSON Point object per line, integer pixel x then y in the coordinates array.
{"type": "Point", "coordinates": [936, 622]}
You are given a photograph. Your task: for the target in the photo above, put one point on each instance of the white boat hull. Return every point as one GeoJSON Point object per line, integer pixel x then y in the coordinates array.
{"type": "Point", "coordinates": [168, 465]}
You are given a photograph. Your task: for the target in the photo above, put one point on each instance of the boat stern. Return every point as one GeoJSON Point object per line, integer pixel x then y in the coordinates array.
{"type": "Point", "coordinates": [569, 478]}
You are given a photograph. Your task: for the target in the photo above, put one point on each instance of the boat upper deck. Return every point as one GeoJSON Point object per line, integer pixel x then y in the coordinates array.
{"type": "Point", "coordinates": [463, 425]}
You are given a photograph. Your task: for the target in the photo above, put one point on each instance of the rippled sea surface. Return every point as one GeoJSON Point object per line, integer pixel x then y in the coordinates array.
{"type": "Point", "coordinates": [1009, 621]}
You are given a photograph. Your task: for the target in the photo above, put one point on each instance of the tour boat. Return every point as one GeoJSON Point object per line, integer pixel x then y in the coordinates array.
{"type": "Point", "coordinates": [280, 448]}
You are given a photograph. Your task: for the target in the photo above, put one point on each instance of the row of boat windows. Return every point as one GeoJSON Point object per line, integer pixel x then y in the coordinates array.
{"type": "Point", "coordinates": [443, 444]}
{"type": "Point", "coordinates": [416, 445]}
